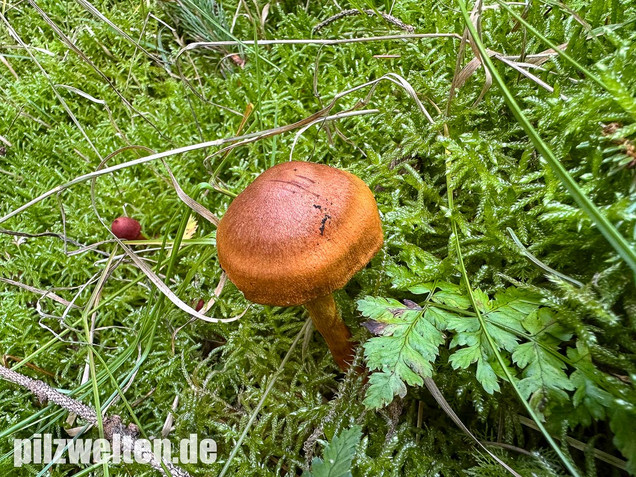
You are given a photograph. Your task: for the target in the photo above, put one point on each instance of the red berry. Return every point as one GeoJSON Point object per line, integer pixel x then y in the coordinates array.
{"type": "Point", "coordinates": [126, 228]}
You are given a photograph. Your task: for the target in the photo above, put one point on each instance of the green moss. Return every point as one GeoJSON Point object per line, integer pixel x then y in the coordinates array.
{"type": "Point", "coordinates": [219, 371]}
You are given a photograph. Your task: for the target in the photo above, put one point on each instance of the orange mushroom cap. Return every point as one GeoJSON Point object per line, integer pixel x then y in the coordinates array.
{"type": "Point", "coordinates": [298, 232]}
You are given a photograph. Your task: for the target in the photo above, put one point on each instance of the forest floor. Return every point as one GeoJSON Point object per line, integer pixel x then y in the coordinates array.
{"type": "Point", "coordinates": [502, 158]}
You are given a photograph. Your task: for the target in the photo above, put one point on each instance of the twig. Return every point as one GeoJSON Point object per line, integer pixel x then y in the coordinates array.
{"type": "Point", "coordinates": [599, 454]}
{"type": "Point", "coordinates": [508, 447]}
{"type": "Point", "coordinates": [353, 12]}
{"type": "Point", "coordinates": [235, 141]}
{"type": "Point", "coordinates": [7, 357]}
{"type": "Point", "coordinates": [49, 234]}
{"type": "Point", "coordinates": [539, 263]}
{"type": "Point", "coordinates": [44, 293]}
{"type": "Point", "coordinates": [441, 400]}
{"type": "Point", "coordinates": [112, 425]}
{"type": "Point", "coordinates": [189, 201]}
{"type": "Point", "coordinates": [315, 41]}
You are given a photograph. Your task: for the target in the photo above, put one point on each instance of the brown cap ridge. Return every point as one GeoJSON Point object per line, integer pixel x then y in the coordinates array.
{"type": "Point", "coordinates": [298, 232]}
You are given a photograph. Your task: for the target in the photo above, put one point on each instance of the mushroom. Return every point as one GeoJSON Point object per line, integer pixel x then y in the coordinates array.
{"type": "Point", "coordinates": [126, 228]}
{"type": "Point", "coordinates": [296, 234]}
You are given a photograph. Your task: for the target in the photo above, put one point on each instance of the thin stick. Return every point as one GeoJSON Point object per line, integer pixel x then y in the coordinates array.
{"type": "Point", "coordinates": [112, 425]}
{"type": "Point", "coordinates": [316, 41]}
{"type": "Point", "coordinates": [235, 140]}
{"type": "Point", "coordinates": [354, 12]}
{"type": "Point", "coordinates": [441, 400]}
{"type": "Point", "coordinates": [599, 454]}
{"type": "Point", "coordinates": [66, 239]}
{"type": "Point", "coordinates": [43, 293]}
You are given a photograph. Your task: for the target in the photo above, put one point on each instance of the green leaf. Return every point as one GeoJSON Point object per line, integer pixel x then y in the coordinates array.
{"type": "Point", "coordinates": [462, 324]}
{"type": "Point", "coordinates": [482, 301]}
{"type": "Point", "coordinates": [543, 323]}
{"type": "Point", "coordinates": [451, 295]}
{"type": "Point", "coordinates": [464, 357]}
{"type": "Point", "coordinates": [504, 317]}
{"type": "Point", "coordinates": [337, 456]}
{"type": "Point", "coordinates": [440, 317]}
{"type": "Point", "coordinates": [509, 308]}
{"type": "Point", "coordinates": [422, 263]}
{"type": "Point", "coordinates": [504, 339]}
{"type": "Point", "coordinates": [421, 288]}
{"type": "Point", "coordinates": [404, 351]}
{"type": "Point", "coordinates": [590, 401]}
{"type": "Point", "coordinates": [541, 371]}
{"type": "Point", "coordinates": [515, 302]}
{"type": "Point", "coordinates": [485, 374]}
{"type": "Point", "coordinates": [384, 386]}
{"type": "Point", "coordinates": [381, 309]}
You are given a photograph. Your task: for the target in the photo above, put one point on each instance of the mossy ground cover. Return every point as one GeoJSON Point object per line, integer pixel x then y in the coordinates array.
{"type": "Point", "coordinates": [513, 293]}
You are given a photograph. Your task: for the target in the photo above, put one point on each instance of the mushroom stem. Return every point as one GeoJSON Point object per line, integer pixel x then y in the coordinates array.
{"type": "Point", "coordinates": [328, 322]}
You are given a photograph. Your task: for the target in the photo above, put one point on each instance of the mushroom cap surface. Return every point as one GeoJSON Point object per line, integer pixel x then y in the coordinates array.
{"type": "Point", "coordinates": [298, 232]}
